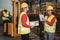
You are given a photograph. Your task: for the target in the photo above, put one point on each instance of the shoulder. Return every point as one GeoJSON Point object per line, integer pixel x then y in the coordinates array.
{"type": "Point", "coordinates": [45, 15]}
{"type": "Point", "coordinates": [53, 15]}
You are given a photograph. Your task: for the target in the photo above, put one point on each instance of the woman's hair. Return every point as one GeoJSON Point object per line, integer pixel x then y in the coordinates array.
{"type": "Point", "coordinates": [22, 9]}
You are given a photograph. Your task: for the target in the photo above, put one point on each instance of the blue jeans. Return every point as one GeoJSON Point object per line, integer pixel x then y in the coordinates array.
{"type": "Point", "coordinates": [49, 36]}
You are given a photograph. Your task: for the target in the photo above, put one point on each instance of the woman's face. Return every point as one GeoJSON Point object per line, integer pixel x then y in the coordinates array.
{"type": "Point", "coordinates": [26, 9]}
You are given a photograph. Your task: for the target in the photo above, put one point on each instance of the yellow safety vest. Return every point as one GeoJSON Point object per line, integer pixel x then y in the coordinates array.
{"type": "Point", "coordinates": [49, 28]}
{"type": "Point", "coordinates": [6, 14]}
{"type": "Point", "coordinates": [21, 28]}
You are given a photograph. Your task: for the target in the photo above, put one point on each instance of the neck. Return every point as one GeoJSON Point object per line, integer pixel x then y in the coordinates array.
{"type": "Point", "coordinates": [50, 15]}
{"type": "Point", "coordinates": [25, 11]}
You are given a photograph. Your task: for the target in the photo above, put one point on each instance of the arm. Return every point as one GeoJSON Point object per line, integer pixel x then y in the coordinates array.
{"type": "Point", "coordinates": [52, 21]}
{"type": "Point", "coordinates": [24, 20]}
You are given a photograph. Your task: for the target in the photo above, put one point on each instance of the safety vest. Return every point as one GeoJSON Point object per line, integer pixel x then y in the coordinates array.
{"type": "Point", "coordinates": [48, 28]}
{"type": "Point", "coordinates": [21, 28]}
{"type": "Point", "coordinates": [6, 14]}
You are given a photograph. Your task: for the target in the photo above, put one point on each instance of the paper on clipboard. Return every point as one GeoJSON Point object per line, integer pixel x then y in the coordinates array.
{"type": "Point", "coordinates": [32, 23]}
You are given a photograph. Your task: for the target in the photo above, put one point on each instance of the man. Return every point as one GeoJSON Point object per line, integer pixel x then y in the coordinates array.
{"type": "Point", "coordinates": [41, 24]}
{"type": "Point", "coordinates": [50, 24]}
{"type": "Point", "coordinates": [23, 26]}
{"type": "Point", "coordinates": [5, 18]}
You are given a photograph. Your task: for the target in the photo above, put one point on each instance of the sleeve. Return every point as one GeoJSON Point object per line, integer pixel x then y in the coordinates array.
{"type": "Point", "coordinates": [52, 21]}
{"type": "Point", "coordinates": [24, 20]}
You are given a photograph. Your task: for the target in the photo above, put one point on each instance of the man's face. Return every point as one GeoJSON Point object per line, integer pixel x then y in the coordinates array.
{"type": "Point", "coordinates": [49, 12]}
{"type": "Point", "coordinates": [5, 10]}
